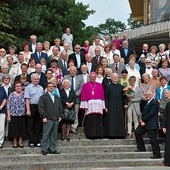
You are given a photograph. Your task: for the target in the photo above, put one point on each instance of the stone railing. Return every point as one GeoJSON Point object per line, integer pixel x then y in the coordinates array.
{"type": "Point", "coordinates": [148, 29]}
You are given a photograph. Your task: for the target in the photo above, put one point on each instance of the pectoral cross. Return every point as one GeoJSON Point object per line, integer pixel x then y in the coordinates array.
{"type": "Point", "coordinates": [92, 92]}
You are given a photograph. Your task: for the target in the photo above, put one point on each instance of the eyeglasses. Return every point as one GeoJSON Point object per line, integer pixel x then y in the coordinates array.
{"type": "Point", "coordinates": [6, 78]}
{"type": "Point", "coordinates": [77, 48]}
{"type": "Point", "coordinates": [50, 86]}
{"type": "Point", "coordinates": [148, 62]}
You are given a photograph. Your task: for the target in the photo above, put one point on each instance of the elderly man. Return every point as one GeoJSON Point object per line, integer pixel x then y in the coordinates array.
{"type": "Point", "coordinates": [93, 47]}
{"type": "Point", "coordinates": [68, 38]}
{"type": "Point", "coordinates": [97, 57]}
{"type": "Point", "coordinates": [92, 100]}
{"type": "Point", "coordinates": [2, 56]}
{"type": "Point", "coordinates": [63, 62]}
{"type": "Point", "coordinates": [33, 92]}
{"type": "Point", "coordinates": [38, 55]}
{"type": "Point", "coordinates": [84, 75]}
{"type": "Point", "coordinates": [4, 71]}
{"type": "Point", "coordinates": [76, 85]}
{"type": "Point", "coordinates": [55, 54]}
{"type": "Point", "coordinates": [115, 104]}
{"type": "Point", "coordinates": [50, 109]}
{"type": "Point", "coordinates": [32, 45]}
{"type": "Point", "coordinates": [149, 125]}
{"type": "Point", "coordinates": [77, 57]}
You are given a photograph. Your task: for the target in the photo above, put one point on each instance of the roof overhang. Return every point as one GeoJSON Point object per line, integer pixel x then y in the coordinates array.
{"type": "Point", "coordinates": [137, 9]}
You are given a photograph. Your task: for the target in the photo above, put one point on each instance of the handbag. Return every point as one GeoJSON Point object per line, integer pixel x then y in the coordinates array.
{"type": "Point", "coordinates": [69, 115]}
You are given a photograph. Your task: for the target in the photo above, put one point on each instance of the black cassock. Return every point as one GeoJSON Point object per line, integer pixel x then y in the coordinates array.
{"type": "Point", "coordinates": [115, 101]}
{"type": "Point", "coordinates": [166, 124]}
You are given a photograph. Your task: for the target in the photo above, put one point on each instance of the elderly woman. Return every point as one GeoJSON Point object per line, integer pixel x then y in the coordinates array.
{"type": "Point", "coordinates": [133, 113]}
{"type": "Point", "coordinates": [68, 100]}
{"type": "Point", "coordinates": [107, 79]}
{"type": "Point", "coordinates": [12, 49]}
{"type": "Point", "coordinates": [133, 58]}
{"type": "Point", "coordinates": [141, 61]}
{"type": "Point", "coordinates": [108, 54]}
{"type": "Point", "coordinates": [56, 90]}
{"type": "Point", "coordinates": [16, 115]}
{"type": "Point", "coordinates": [3, 100]}
{"type": "Point", "coordinates": [26, 53]}
{"type": "Point", "coordinates": [132, 71]}
{"type": "Point", "coordinates": [162, 55]}
{"type": "Point", "coordinates": [57, 72]}
{"type": "Point", "coordinates": [145, 86]}
{"type": "Point", "coordinates": [47, 48]}
{"type": "Point", "coordinates": [104, 63]}
{"type": "Point", "coordinates": [152, 56]}
{"type": "Point", "coordinates": [165, 70]}
{"type": "Point", "coordinates": [100, 71]}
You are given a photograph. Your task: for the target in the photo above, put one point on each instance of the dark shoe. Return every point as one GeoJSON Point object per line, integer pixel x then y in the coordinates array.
{"type": "Point", "coordinates": [44, 153]}
{"type": "Point", "coordinates": [20, 146]}
{"type": "Point", "coordinates": [74, 131]}
{"type": "Point", "coordinates": [38, 145]}
{"type": "Point", "coordinates": [140, 150]}
{"type": "Point", "coordinates": [15, 146]}
{"type": "Point", "coordinates": [55, 152]}
{"type": "Point", "coordinates": [68, 138]}
{"type": "Point", "coordinates": [156, 157]}
{"type": "Point", "coordinates": [31, 145]}
{"type": "Point", "coordinates": [62, 137]}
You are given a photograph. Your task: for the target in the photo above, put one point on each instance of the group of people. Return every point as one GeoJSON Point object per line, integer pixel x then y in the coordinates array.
{"type": "Point", "coordinates": [118, 92]}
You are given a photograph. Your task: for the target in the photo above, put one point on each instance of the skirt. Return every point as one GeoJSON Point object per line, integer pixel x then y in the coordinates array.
{"type": "Point", "coordinates": [93, 126]}
{"type": "Point", "coordinates": [17, 127]}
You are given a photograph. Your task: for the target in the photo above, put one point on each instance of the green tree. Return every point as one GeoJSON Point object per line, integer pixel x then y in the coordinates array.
{"type": "Point", "coordinates": [132, 23]}
{"type": "Point", "coordinates": [5, 37]}
{"type": "Point", "coordinates": [48, 19]}
{"type": "Point", "coordinates": [110, 27]}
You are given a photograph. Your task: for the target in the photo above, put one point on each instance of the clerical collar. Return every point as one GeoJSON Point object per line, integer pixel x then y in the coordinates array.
{"type": "Point", "coordinates": [114, 82]}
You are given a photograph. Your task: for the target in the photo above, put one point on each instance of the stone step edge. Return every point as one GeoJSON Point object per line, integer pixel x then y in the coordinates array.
{"type": "Point", "coordinates": [79, 154]}
{"type": "Point", "coordinates": [95, 161]}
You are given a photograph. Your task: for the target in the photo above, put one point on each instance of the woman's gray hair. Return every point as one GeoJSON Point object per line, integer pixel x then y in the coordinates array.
{"type": "Point", "coordinates": [66, 80]}
{"type": "Point", "coordinates": [5, 76]}
{"type": "Point", "coordinates": [166, 90]}
{"type": "Point", "coordinates": [145, 74]}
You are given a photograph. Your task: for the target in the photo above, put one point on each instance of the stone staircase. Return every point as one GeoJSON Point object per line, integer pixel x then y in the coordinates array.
{"type": "Point", "coordinates": [79, 153]}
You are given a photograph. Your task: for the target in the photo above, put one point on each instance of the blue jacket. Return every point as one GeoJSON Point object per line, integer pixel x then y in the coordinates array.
{"type": "Point", "coordinates": [158, 92]}
{"type": "Point", "coordinates": [150, 115]}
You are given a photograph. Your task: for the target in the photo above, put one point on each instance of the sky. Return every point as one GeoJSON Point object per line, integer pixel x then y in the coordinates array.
{"type": "Point", "coordinates": [115, 9]}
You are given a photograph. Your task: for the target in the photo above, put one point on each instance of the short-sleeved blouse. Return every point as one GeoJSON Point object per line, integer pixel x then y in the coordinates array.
{"type": "Point", "coordinates": [16, 104]}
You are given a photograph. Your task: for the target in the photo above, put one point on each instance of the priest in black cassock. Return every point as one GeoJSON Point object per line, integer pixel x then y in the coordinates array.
{"type": "Point", "coordinates": [166, 130]}
{"type": "Point", "coordinates": [116, 102]}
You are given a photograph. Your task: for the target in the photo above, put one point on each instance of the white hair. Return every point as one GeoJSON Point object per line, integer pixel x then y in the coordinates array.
{"type": "Point", "coordinates": [66, 80]}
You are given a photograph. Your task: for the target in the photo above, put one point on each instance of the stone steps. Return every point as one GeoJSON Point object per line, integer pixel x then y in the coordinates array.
{"type": "Point", "coordinates": [53, 165]}
{"type": "Point", "coordinates": [79, 153]}
{"type": "Point", "coordinates": [77, 149]}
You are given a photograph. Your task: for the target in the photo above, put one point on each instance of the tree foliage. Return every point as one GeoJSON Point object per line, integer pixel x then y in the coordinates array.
{"type": "Point", "coordinates": [47, 19]}
{"type": "Point", "coordinates": [5, 37]}
{"type": "Point", "coordinates": [110, 27]}
{"type": "Point", "coordinates": [132, 23]}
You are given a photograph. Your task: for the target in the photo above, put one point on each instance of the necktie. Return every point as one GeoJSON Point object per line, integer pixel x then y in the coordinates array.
{"type": "Point", "coordinates": [65, 64]}
{"type": "Point", "coordinates": [116, 68]}
{"type": "Point", "coordinates": [39, 55]}
{"type": "Point", "coordinates": [72, 83]}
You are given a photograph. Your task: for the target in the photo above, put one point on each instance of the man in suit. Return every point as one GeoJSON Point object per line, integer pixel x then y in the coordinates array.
{"type": "Point", "coordinates": [42, 77]}
{"type": "Point", "coordinates": [91, 66]}
{"type": "Point", "coordinates": [76, 85]}
{"type": "Point", "coordinates": [85, 76]}
{"type": "Point", "coordinates": [39, 54]}
{"type": "Point", "coordinates": [147, 68]}
{"type": "Point", "coordinates": [145, 50]}
{"type": "Point", "coordinates": [24, 69]}
{"type": "Point", "coordinates": [97, 58]}
{"type": "Point", "coordinates": [77, 57]}
{"type": "Point", "coordinates": [63, 62]}
{"type": "Point", "coordinates": [32, 45]}
{"type": "Point", "coordinates": [50, 109]}
{"type": "Point", "coordinates": [126, 51]}
{"type": "Point", "coordinates": [149, 124]}
{"type": "Point", "coordinates": [117, 67]}
{"type": "Point", "coordinates": [55, 54]}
